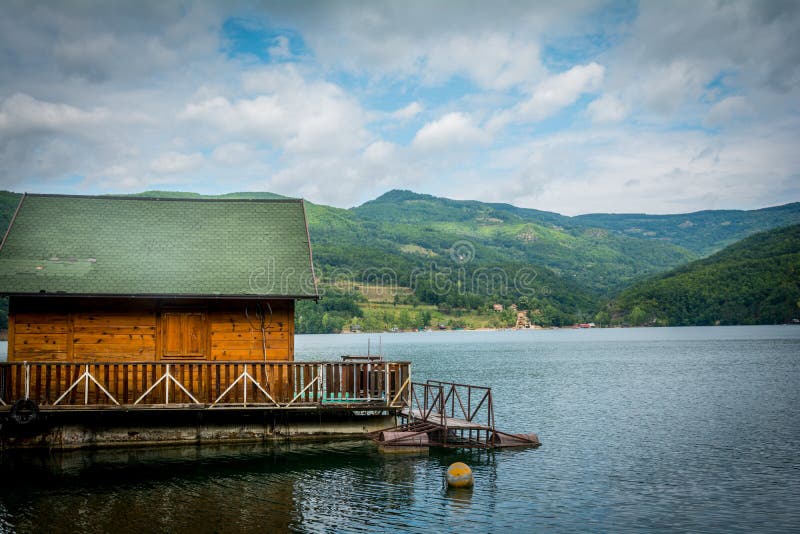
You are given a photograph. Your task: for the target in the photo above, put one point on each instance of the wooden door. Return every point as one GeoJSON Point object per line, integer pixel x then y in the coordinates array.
{"type": "Point", "coordinates": [183, 334]}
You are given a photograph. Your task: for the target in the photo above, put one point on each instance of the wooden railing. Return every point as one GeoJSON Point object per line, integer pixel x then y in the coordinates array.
{"type": "Point", "coordinates": [205, 384]}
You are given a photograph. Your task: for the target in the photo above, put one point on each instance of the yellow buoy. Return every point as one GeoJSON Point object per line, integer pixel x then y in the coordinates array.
{"type": "Point", "coordinates": [459, 475]}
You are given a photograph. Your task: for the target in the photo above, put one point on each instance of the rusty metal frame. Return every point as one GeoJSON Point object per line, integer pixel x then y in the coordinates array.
{"type": "Point", "coordinates": [440, 405]}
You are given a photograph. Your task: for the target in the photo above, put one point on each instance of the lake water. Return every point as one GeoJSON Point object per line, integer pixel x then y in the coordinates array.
{"type": "Point", "coordinates": [684, 429]}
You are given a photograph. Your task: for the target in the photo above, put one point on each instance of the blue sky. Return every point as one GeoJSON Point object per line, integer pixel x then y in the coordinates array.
{"type": "Point", "coordinates": [577, 107]}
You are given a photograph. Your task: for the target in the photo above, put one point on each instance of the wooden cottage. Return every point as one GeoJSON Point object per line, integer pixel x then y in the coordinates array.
{"type": "Point", "coordinates": [170, 320]}
{"type": "Point", "coordinates": [128, 278]}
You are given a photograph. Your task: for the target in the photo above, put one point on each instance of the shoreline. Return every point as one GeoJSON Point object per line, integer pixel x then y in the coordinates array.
{"type": "Point", "coordinates": [540, 328]}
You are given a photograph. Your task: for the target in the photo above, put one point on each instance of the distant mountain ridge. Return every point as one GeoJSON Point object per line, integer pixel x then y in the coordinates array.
{"type": "Point", "coordinates": [595, 258]}
{"type": "Point", "coordinates": [754, 281]}
{"type": "Point", "coordinates": [701, 232]}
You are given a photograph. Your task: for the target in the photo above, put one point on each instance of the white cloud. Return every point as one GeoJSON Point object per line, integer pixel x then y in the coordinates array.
{"type": "Point", "coordinates": [616, 170]}
{"type": "Point", "coordinates": [234, 154]}
{"type": "Point", "coordinates": [450, 131]}
{"type": "Point", "coordinates": [606, 109]}
{"type": "Point", "coordinates": [21, 112]}
{"type": "Point", "coordinates": [262, 116]}
{"type": "Point", "coordinates": [175, 162]}
{"type": "Point", "coordinates": [552, 95]}
{"type": "Point", "coordinates": [379, 152]}
{"type": "Point", "coordinates": [677, 58]}
{"type": "Point", "coordinates": [728, 110]}
{"type": "Point", "coordinates": [562, 90]}
{"type": "Point", "coordinates": [408, 112]}
{"type": "Point", "coordinates": [287, 111]}
{"type": "Point", "coordinates": [496, 48]}
{"type": "Point", "coordinates": [666, 88]}
{"type": "Point", "coordinates": [492, 60]}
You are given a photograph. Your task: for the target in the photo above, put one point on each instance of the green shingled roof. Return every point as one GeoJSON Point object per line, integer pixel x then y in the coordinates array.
{"type": "Point", "coordinates": [144, 246]}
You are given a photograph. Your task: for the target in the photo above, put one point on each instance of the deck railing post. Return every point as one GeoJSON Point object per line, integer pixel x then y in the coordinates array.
{"type": "Point", "coordinates": [443, 415]}
{"type": "Point", "coordinates": [321, 375]}
{"type": "Point", "coordinates": [469, 403]}
{"type": "Point", "coordinates": [2, 385]}
{"type": "Point", "coordinates": [491, 411]}
{"type": "Point", "coordinates": [410, 376]}
{"type": "Point", "coordinates": [27, 380]}
{"type": "Point", "coordinates": [369, 372]}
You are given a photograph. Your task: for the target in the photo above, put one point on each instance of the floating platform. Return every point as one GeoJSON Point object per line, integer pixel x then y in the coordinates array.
{"type": "Point", "coordinates": [446, 414]}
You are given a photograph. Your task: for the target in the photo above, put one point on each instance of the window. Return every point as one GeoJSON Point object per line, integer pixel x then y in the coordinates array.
{"type": "Point", "coordinates": [183, 334]}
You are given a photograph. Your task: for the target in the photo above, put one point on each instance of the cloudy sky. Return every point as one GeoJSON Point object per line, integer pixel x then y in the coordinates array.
{"type": "Point", "coordinates": [574, 107]}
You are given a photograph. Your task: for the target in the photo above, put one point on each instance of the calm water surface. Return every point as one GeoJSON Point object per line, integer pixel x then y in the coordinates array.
{"type": "Point", "coordinates": [682, 429]}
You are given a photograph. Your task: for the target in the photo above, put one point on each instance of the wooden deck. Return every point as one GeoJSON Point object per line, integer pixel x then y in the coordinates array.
{"type": "Point", "coordinates": [273, 385]}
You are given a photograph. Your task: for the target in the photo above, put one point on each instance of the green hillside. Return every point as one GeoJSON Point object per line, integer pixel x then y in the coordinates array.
{"type": "Point", "coordinates": [596, 259]}
{"type": "Point", "coordinates": [702, 232]}
{"type": "Point", "coordinates": [755, 281]}
{"type": "Point", "coordinates": [449, 264]}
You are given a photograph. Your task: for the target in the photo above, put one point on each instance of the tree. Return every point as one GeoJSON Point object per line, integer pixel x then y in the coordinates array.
{"type": "Point", "coordinates": [426, 318]}
{"type": "Point", "coordinates": [637, 316]}
{"type": "Point", "coordinates": [404, 320]}
{"type": "Point", "coordinates": [508, 317]}
{"type": "Point", "coordinates": [602, 318]}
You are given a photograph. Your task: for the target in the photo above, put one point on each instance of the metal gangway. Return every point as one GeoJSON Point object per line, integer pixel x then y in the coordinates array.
{"type": "Point", "coordinates": [448, 414]}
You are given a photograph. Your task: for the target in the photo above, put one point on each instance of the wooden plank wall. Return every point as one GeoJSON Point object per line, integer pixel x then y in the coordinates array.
{"type": "Point", "coordinates": [73, 329]}
{"type": "Point", "coordinates": [101, 331]}
{"type": "Point", "coordinates": [236, 330]}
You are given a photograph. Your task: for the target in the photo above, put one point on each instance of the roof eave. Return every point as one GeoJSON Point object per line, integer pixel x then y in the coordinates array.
{"type": "Point", "coordinates": [13, 218]}
{"type": "Point", "coordinates": [310, 250]}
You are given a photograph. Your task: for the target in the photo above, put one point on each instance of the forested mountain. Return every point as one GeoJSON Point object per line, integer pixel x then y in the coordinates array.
{"type": "Point", "coordinates": [595, 258]}
{"type": "Point", "coordinates": [754, 281]}
{"type": "Point", "coordinates": [702, 232]}
{"type": "Point", "coordinates": [465, 255]}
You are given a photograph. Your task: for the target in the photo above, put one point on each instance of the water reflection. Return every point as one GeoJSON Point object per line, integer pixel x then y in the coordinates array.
{"type": "Point", "coordinates": [182, 488]}
{"type": "Point", "coordinates": [459, 498]}
{"type": "Point", "coordinates": [287, 487]}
